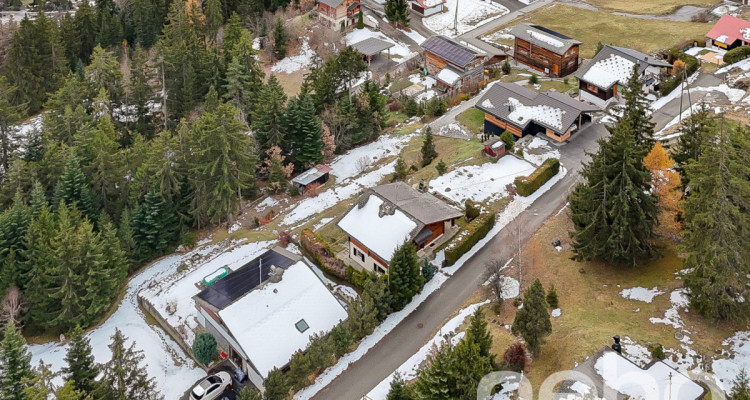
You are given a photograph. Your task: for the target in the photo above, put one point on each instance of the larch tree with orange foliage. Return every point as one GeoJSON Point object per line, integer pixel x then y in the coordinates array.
{"type": "Point", "coordinates": [666, 186]}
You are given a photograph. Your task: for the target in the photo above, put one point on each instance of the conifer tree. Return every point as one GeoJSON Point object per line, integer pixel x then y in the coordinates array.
{"type": "Point", "coordinates": [69, 392]}
{"type": "Point", "coordinates": [741, 389]}
{"type": "Point", "coordinates": [398, 390]}
{"type": "Point", "coordinates": [40, 387]}
{"type": "Point", "coordinates": [376, 287]}
{"type": "Point", "coordinates": [532, 322]}
{"type": "Point", "coordinates": [696, 131]}
{"type": "Point", "coordinates": [102, 163]}
{"type": "Point", "coordinates": [552, 297]}
{"type": "Point", "coordinates": [74, 188]}
{"type": "Point", "coordinates": [140, 93]}
{"type": "Point", "coordinates": [214, 17]}
{"type": "Point", "coordinates": [397, 12]}
{"type": "Point", "coordinates": [123, 376]}
{"type": "Point", "coordinates": [146, 20]}
{"type": "Point", "coordinates": [341, 338]}
{"type": "Point", "coordinates": [15, 367]}
{"type": "Point", "coordinates": [10, 116]}
{"type": "Point", "coordinates": [268, 122]}
{"type": "Point", "coordinates": [14, 223]}
{"type": "Point", "coordinates": [360, 20]}
{"type": "Point", "coordinates": [248, 393]}
{"type": "Point", "coordinates": [38, 199]}
{"type": "Point", "coordinates": [152, 226]}
{"type": "Point", "coordinates": [363, 316]}
{"type": "Point", "coordinates": [716, 226]}
{"type": "Point", "coordinates": [614, 212]}
{"type": "Point", "coordinates": [276, 385]}
{"type": "Point", "coordinates": [428, 148]}
{"type": "Point", "coordinates": [104, 73]}
{"type": "Point", "coordinates": [204, 348]}
{"type": "Point", "coordinates": [437, 382]}
{"type": "Point", "coordinates": [401, 171]}
{"type": "Point", "coordinates": [404, 278]}
{"type": "Point", "coordinates": [304, 132]}
{"type": "Point", "coordinates": [244, 81]}
{"type": "Point", "coordinates": [280, 40]}
{"type": "Point", "coordinates": [81, 369]}
{"type": "Point", "coordinates": [636, 111]}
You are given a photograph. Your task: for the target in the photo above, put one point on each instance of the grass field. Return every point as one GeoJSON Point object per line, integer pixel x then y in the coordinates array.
{"type": "Point", "coordinates": [472, 119]}
{"type": "Point", "coordinates": [648, 6]}
{"type": "Point", "coordinates": [591, 27]}
{"type": "Point", "coordinates": [592, 308]}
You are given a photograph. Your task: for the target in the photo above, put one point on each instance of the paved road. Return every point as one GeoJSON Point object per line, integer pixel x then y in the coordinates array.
{"type": "Point", "coordinates": [407, 338]}
{"type": "Point", "coordinates": [670, 110]}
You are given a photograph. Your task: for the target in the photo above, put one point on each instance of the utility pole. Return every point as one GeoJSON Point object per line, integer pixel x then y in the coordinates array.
{"type": "Point", "coordinates": [684, 87]}
{"type": "Point", "coordinates": [455, 19]}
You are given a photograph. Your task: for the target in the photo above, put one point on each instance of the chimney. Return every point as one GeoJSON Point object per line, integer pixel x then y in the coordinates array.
{"type": "Point", "coordinates": [275, 274]}
{"type": "Point", "coordinates": [422, 186]}
{"type": "Point", "coordinates": [616, 346]}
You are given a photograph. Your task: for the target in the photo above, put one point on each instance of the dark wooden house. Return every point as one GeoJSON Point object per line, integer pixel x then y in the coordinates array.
{"type": "Point", "coordinates": [544, 50]}
{"type": "Point", "coordinates": [454, 66]}
{"type": "Point", "coordinates": [338, 14]}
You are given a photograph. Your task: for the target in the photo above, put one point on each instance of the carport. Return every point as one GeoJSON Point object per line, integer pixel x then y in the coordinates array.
{"type": "Point", "coordinates": [371, 47]}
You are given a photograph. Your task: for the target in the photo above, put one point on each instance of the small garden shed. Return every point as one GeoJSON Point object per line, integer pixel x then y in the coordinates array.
{"type": "Point", "coordinates": [318, 174]}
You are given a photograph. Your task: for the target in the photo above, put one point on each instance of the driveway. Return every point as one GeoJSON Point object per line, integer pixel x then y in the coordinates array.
{"type": "Point", "coordinates": [404, 340]}
{"type": "Point", "coordinates": [669, 111]}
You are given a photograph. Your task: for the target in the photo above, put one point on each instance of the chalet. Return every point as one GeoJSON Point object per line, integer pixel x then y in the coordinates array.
{"type": "Point", "coordinates": [318, 174]}
{"type": "Point", "coordinates": [609, 375]}
{"type": "Point", "coordinates": [545, 50]}
{"type": "Point", "coordinates": [425, 8]}
{"type": "Point", "coordinates": [266, 310]}
{"type": "Point", "coordinates": [386, 216]}
{"type": "Point", "coordinates": [512, 107]}
{"type": "Point", "coordinates": [601, 79]}
{"type": "Point", "coordinates": [338, 14]}
{"type": "Point", "coordinates": [729, 32]}
{"type": "Point", "coordinates": [453, 65]}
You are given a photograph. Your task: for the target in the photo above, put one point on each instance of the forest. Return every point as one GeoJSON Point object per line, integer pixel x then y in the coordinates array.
{"type": "Point", "coordinates": [155, 120]}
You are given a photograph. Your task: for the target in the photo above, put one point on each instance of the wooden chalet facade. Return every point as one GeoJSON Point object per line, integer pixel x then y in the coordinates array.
{"type": "Point", "coordinates": [729, 32]}
{"type": "Point", "coordinates": [455, 67]}
{"type": "Point", "coordinates": [544, 50]}
{"type": "Point", "coordinates": [338, 14]}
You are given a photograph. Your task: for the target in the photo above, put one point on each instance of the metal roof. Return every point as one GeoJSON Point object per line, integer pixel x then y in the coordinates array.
{"type": "Point", "coordinates": [311, 175]}
{"type": "Point", "coordinates": [449, 50]}
{"type": "Point", "coordinates": [423, 207]}
{"type": "Point", "coordinates": [497, 103]}
{"type": "Point", "coordinates": [246, 278]}
{"type": "Point", "coordinates": [372, 46]}
{"type": "Point", "coordinates": [641, 59]}
{"type": "Point", "coordinates": [331, 3]}
{"type": "Point", "coordinates": [532, 33]}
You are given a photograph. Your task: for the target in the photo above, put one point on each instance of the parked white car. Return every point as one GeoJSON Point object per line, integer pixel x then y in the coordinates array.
{"type": "Point", "coordinates": [211, 387]}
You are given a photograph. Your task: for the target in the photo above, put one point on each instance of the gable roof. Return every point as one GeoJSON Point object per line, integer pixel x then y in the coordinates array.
{"type": "Point", "coordinates": [521, 106]}
{"type": "Point", "coordinates": [729, 29]}
{"type": "Point", "coordinates": [264, 321]}
{"type": "Point", "coordinates": [450, 51]}
{"type": "Point", "coordinates": [388, 215]}
{"type": "Point", "coordinates": [544, 38]}
{"type": "Point", "coordinates": [312, 174]}
{"type": "Point", "coordinates": [332, 3]}
{"type": "Point", "coordinates": [430, 3]}
{"type": "Point", "coordinates": [246, 278]}
{"type": "Point", "coordinates": [614, 65]}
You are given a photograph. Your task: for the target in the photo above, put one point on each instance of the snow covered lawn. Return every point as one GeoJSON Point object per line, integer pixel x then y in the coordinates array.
{"type": "Point", "coordinates": [471, 14]}
{"type": "Point", "coordinates": [399, 52]}
{"type": "Point", "coordinates": [539, 150]}
{"type": "Point", "coordinates": [641, 294]}
{"type": "Point", "coordinates": [297, 62]}
{"type": "Point", "coordinates": [484, 182]}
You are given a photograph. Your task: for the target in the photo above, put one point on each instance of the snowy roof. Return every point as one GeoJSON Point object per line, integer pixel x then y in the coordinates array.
{"type": "Point", "coordinates": [544, 38]}
{"type": "Point", "coordinates": [615, 376]}
{"type": "Point", "coordinates": [388, 215]}
{"type": "Point", "coordinates": [311, 175]}
{"type": "Point", "coordinates": [430, 3]}
{"type": "Point", "coordinates": [381, 230]}
{"type": "Point", "coordinates": [514, 103]}
{"type": "Point", "coordinates": [729, 29]}
{"type": "Point", "coordinates": [274, 321]}
{"type": "Point", "coordinates": [448, 75]}
{"type": "Point", "coordinates": [371, 46]}
{"type": "Point", "coordinates": [450, 51]}
{"type": "Point", "coordinates": [614, 65]}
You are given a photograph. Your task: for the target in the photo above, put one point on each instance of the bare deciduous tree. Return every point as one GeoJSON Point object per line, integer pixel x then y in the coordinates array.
{"type": "Point", "coordinates": [495, 279]}
{"type": "Point", "coordinates": [12, 307]}
{"type": "Point", "coordinates": [363, 163]}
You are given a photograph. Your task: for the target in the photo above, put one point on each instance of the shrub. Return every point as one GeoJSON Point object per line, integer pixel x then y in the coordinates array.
{"type": "Point", "coordinates": [552, 297]}
{"type": "Point", "coordinates": [410, 107]}
{"type": "Point", "coordinates": [428, 270]}
{"type": "Point", "coordinates": [414, 167]}
{"type": "Point", "coordinates": [441, 167]}
{"type": "Point", "coordinates": [515, 357]}
{"type": "Point", "coordinates": [566, 80]}
{"type": "Point", "coordinates": [472, 211]}
{"type": "Point", "coordinates": [317, 249]}
{"type": "Point", "coordinates": [525, 186]}
{"type": "Point", "coordinates": [189, 239]}
{"type": "Point", "coordinates": [533, 79]}
{"type": "Point", "coordinates": [355, 277]}
{"type": "Point", "coordinates": [435, 107]}
{"type": "Point", "coordinates": [737, 54]}
{"type": "Point", "coordinates": [467, 237]}
{"type": "Point", "coordinates": [507, 138]}
{"type": "Point", "coordinates": [294, 191]}
{"type": "Point", "coordinates": [284, 238]}
{"type": "Point", "coordinates": [400, 169]}
{"type": "Point", "coordinates": [506, 67]}
{"type": "Point", "coordinates": [204, 348]}
{"type": "Point", "coordinates": [657, 352]}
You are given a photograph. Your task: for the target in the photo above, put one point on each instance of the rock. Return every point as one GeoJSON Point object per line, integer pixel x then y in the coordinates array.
{"type": "Point", "coordinates": [556, 243]}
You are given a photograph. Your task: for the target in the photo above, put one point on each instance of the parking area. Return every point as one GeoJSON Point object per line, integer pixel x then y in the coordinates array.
{"type": "Point", "coordinates": [231, 392]}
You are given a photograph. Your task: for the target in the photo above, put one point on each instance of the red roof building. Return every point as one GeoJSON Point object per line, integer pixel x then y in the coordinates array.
{"type": "Point", "coordinates": [426, 8]}
{"type": "Point", "coordinates": [730, 32]}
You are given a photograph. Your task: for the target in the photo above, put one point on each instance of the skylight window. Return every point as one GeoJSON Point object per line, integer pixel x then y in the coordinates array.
{"type": "Point", "coordinates": [302, 326]}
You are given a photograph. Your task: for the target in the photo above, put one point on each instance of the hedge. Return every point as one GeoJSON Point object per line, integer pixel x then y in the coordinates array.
{"type": "Point", "coordinates": [737, 54]}
{"type": "Point", "coordinates": [468, 236]}
{"type": "Point", "coordinates": [526, 185]}
{"type": "Point", "coordinates": [317, 249]}
{"type": "Point", "coordinates": [691, 65]}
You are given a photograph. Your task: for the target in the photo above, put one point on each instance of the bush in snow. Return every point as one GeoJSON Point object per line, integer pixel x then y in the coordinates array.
{"type": "Point", "coordinates": [657, 352]}
{"type": "Point", "coordinates": [204, 348]}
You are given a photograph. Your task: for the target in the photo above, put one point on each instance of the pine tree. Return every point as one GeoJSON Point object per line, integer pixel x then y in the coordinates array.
{"type": "Point", "coordinates": [15, 367]}
{"type": "Point", "coordinates": [153, 226]}
{"type": "Point", "coordinates": [145, 22]}
{"type": "Point", "coordinates": [106, 279]}
{"type": "Point", "coordinates": [532, 322]}
{"type": "Point", "coordinates": [552, 297]}
{"type": "Point", "coordinates": [477, 333]}
{"type": "Point", "coordinates": [69, 392]}
{"type": "Point", "coordinates": [204, 348]}
{"type": "Point", "coordinates": [401, 171]}
{"type": "Point", "coordinates": [14, 223]}
{"type": "Point", "coordinates": [614, 212]}
{"type": "Point", "coordinates": [10, 116]}
{"type": "Point", "coordinates": [214, 17]}
{"type": "Point", "coordinates": [404, 278]}
{"type": "Point", "coordinates": [398, 390]}
{"type": "Point", "coordinates": [74, 188]}
{"type": "Point", "coordinates": [103, 164]}
{"type": "Point", "coordinates": [363, 316]}
{"type": "Point", "coordinates": [397, 12]}
{"type": "Point", "coordinates": [40, 387]}
{"type": "Point", "coordinates": [437, 381]}
{"type": "Point", "coordinates": [123, 377]}
{"type": "Point", "coordinates": [360, 21]}
{"type": "Point", "coordinates": [268, 122]}
{"type": "Point", "coordinates": [428, 148]}
{"type": "Point", "coordinates": [81, 370]}
{"type": "Point", "coordinates": [304, 132]}
{"type": "Point", "coordinates": [276, 385]}
{"type": "Point", "coordinates": [140, 92]}
{"type": "Point", "coordinates": [636, 111]}
{"type": "Point", "coordinates": [280, 40]}
{"type": "Point", "coordinates": [249, 393]}
{"type": "Point", "coordinates": [38, 199]}
{"type": "Point", "coordinates": [341, 338]}
{"type": "Point", "coordinates": [716, 225]}
{"type": "Point", "coordinates": [86, 28]}
{"type": "Point", "coordinates": [376, 287]}
{"type": "Point", "coordinates": [741, 389]}
{"type": "Point", "coordinates": [104, 73]}
{"type": "Point", "coordinates": [695, 132]}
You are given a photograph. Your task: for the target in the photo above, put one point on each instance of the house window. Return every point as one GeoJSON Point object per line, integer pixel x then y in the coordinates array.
{"type": "Point", "coordinates": [377, 268]}
{"type": "Point", "coordinates": [591, 88]}
{"type": "Point", "coordinates": [302, 326]}
{"type": "Point", "coordinates": [359, 254]}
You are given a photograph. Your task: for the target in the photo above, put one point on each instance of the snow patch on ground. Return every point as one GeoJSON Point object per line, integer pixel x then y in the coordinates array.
{"type": "Point", "coordinates": [471, 14]}
{"type": "Point", "coordinates": [296, 63]}
{"type": "Point", "coordinates": [726, 370]}
{"type": "Point", "coordinates": [556, 313]}
{"type": "Point", "coordinates": [484, 182]}
{"type": "Point", "coordinates": [414, 35]}
{"type": "Point", "coordinates": [348, 165]}
{"type": "Point", "coordinates": [409, 369]}
{"type": "Point", "coordinates": [539, 150]}
{"type": "Point", "coordinates": [323, 222]}
{"type": "Point", "coordinates": [678, 298]}
{"type": "Point", "coordinates": [641, 294]}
